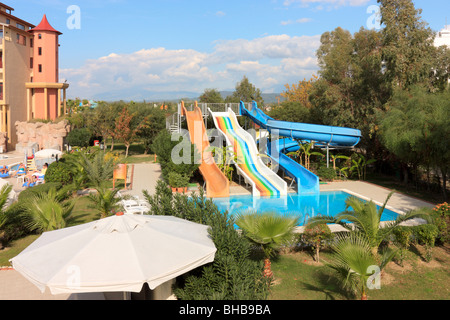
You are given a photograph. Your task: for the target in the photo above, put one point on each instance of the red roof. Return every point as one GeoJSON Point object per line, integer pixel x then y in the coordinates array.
{"type": "Point", "coordinates": [45, 26]}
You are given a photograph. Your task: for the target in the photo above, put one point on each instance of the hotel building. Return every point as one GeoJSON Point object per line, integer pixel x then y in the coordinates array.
{"type": "Point", "coordinates": [29, 73]}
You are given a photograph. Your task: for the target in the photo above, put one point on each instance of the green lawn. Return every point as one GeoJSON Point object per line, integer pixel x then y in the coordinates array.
{"type": "Point", "coordinates": [299, 277]}
{"type": "Point", "coordinates": [81, 210]}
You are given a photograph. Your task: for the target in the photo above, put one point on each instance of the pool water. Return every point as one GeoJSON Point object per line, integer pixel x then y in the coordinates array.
{"type": "Point", "coordinates": [305, 206]}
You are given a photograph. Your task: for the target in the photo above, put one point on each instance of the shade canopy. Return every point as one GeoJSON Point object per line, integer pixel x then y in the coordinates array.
{"type": "Point", "coordinates": [48, 153]}
{"type": "Point", "coordinates": [116, 254]}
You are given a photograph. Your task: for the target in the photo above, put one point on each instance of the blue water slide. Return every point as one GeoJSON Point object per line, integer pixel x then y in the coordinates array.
{"type": "Point", "coordinates": [307, 182]}
{"type": "Point", "coordinates": [330, 136]}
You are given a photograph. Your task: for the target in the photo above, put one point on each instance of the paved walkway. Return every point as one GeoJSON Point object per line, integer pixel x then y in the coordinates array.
{"type": "Point", "coordinates": [145, 177]}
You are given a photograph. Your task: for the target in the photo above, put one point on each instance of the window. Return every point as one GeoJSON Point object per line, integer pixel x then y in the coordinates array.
{"type": "Point", "coordinates": [21, 39]}
{"type": "Point", "coordinates": [31, 42]}
{"type": "Point", "coordinates": [20, 26]}
{"type": "Point", "coordinates": [40, 68]}
{"type": "Point", "coordinates": [8, 21]}
{"type": "Point", "coordinates": [40, 36]}
{"type": "Point", "coordinates": [31, 63]}
{"type": "Point", "coordinates": [40, 51]}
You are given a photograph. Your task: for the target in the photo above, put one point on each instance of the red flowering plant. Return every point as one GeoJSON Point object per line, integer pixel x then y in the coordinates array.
{"type": "Point", "coordinates": [441, 218]}
{"type": "Point", "coordinates": [317, 238]}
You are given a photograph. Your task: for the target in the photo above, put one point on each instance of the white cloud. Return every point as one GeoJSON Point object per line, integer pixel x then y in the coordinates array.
{"type": "Point", "coordinates": [269, 62]}
{"type": "Point", "coordinates": [301, 20]}
{"type": "Point", "coordinates": [329, 3]}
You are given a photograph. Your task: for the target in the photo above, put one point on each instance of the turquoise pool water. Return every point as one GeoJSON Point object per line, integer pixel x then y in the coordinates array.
{"type": "Point", "coordinates": [303, 205]}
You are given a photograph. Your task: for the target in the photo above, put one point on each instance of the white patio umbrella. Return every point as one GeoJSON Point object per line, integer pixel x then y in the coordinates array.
{"type": "Point", "coordinates": [48, 153]}
{"type": "Point", "coordinates": [116, 254]}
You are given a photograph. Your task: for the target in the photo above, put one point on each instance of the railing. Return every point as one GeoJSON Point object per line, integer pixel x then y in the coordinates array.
{"type": "Point", "coordinates": [173, 123]}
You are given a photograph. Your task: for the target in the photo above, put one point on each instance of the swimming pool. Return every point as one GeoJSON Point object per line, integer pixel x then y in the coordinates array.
{"type": "Point", "coordinates": [327, 203]}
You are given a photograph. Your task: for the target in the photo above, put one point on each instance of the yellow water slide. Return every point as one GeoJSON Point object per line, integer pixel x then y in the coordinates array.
{"type": "Point", "coordinates": [217, 184]}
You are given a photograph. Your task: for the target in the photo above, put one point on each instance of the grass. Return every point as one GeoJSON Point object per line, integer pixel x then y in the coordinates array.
{"type": "Point", "coordinates": [81, 210]}
{"type": "Point", "coordinates": [433, 196]}
{"type": "Point", "coordinates": [299, 277]}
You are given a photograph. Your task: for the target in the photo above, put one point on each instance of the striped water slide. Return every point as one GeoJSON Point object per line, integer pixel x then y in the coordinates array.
{"type": "Point", "coordinates": [264, 181]}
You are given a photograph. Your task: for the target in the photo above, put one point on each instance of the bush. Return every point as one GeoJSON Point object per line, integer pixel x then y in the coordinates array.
{"type": "Point", "coordinates": [327, 174]}
{"type": "Point", "coordinates": [233, 275]}
{"type": "Point", "coordinates": [177, 180]}
{"type": "Point", "coordinates": [402, 240]}
{"type": "Point", "coordinates": [46, 187]}
{"type": "Point", "coordinates": [163, 146]}
{"type": "Point", "coordinates": [317, 237]}
{"type": "Point", "coordinates": [426, 234]}
{"type": "Point", "coordinates": [59, 172]}
{"type": "Point", "coordinates": [441, 218]}
{"type": "Point", "coordinates": [79, 138]}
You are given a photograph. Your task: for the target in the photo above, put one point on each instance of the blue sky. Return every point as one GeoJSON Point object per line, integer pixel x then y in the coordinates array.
{"type": "Point", "coordinates": [130, 49]}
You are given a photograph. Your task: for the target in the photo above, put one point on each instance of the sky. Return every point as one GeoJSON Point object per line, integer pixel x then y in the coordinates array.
{"type": "Point", "coordinates": [136, 49]}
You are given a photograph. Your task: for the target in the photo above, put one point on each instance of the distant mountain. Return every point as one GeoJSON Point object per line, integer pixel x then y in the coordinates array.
{"type": "Point", "coordinates": [167, 96]}
{"type": "Point", "coordinates": [268, 97]}
{"type": "Point", "coordinates": [140, 95]}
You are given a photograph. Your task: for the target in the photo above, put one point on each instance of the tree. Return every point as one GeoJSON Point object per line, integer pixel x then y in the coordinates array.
{"type": "Point", "coordinates": [351, 89]}
{"type": "Point", "coordinates": [79, 137]}
{"type": "Point", "coordinates": [269, 230]}
{"type": "Point", "coordinates": [317, 237]}
{"type": "Point", "coordinates": [300, 92]}
{"type": "Point", "coordinates": [97, 168]}
{"type": "Point", "coordinates": [105, 201]}
{"type": "Point", "coordinates": [407, 44]}
{"type": "Point", "coordinates": [211, 96]}
{"type": "Point", "coordinates": [4, 197]}
{"type": "Point", "coordinates": [48, 211]}
{"type": "Point", "coordinates": [353, 262]}
{"type": "Point", "coordinates": [102, 121]}
{"type": "Point", "coordinates": [441, 66]}
{"type": "Point", "coordinates": [123, 130]}
{"type": "Point", "coordinates": [154, 121]}
{"type": "Point", "coordinates": [233, 275]}
{"type": "Point", "coordinates": [415, 129]}
{"type": "Point", "coordinates": [366, 219]}
{"type": "Point", "coordinates": [247, 92]}
{"type": "Point", "coordinates": [291, 111]}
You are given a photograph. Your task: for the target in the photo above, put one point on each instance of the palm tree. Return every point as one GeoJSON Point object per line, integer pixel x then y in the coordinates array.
{"type": "Point", "coordinates": [353, 260]}
{"type": "Point", "coordinates": [105, 200]}
{"type": "Point", "coordinates": [269, 230]}
{"type": "Point", "coordinates": [4, 196]}
{"type": "Point", "coordinates": [97, 168]}
{"type": "Point", "coordinates": [48, 211]}
{"type": "Point", "coordinates": [366, 219]}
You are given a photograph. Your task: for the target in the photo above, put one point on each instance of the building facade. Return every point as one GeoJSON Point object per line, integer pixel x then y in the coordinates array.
{"type": "Point", "coordinates": [443, 37]}
{"type": "Point", "coordinates": [29, 73]}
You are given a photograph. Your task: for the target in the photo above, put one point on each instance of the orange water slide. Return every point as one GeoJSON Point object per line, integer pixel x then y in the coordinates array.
{"type": "Point", "coordinates": [217, 184]}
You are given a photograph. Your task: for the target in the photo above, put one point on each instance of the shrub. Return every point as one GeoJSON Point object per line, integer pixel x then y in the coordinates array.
{"type": "Point", "coordinates": [426, 234]}
{"type": "Point", "coordinates": [177, 180]}
{"type": "Point", "coordinates": [79, 138]}
{"type": "Point", "coordinates": [402, 240]}
{"type": "Point", "coordinates": [317, 237]}
{"type": "Point", "coordinates": [327, 174]}
{"type": "Point", "coordinates": [59, 172]}
{"type": "Point", "coordinates": [163, 146]}
{"type": "Point", "coordinates": [233, 274]}
{"type": "Point", "coordinates": [441, 218]}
